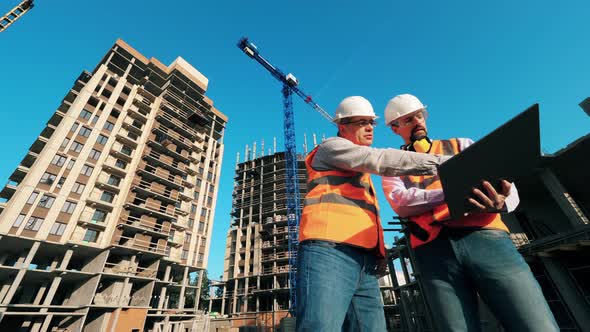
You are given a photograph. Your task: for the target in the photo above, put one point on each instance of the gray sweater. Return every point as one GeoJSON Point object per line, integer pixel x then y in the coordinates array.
{"type": "Point", "coordinates": [341, 154]}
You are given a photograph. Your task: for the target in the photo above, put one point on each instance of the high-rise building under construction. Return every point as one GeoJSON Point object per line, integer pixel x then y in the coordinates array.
{"type": "Point", "coordinates": [255, 288]}
{"type": "Point", "coordinates": [107, 220]}
{"type": "Point", "coordinates": [256, 268]}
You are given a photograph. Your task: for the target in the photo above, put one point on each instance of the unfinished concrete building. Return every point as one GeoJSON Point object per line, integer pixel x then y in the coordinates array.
{"type": "Point", "coordinates": [256, 268]}
{"type": "Point", "coordinates": [111, 210]}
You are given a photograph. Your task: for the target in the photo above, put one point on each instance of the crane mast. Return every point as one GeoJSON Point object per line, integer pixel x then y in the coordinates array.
{"type": "Point", "coordinates": [290, 87]}
{"type": "Point", "coordinates": [15, 13]}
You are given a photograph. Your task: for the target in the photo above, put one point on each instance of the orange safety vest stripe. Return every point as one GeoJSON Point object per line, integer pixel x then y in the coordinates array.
{"type": "Point", "coordinates": [428, 225]}
{"type": "Point", "coordinates": [340, 206]}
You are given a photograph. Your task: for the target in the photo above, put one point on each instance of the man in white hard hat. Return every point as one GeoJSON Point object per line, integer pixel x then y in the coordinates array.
{"type": "Point", "coordinates": [341, 239]}
{"type": "Point", "coordinates": [459, 259]}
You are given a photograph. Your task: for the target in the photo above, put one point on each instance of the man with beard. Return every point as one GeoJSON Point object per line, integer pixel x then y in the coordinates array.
{"type": "Point", "coordinates": [461, 258]}
{"type": "Point", "coordinates": [341, 247]}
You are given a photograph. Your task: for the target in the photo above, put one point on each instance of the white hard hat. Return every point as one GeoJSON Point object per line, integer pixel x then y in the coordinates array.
{"type": "Point", "coordinates": [401, 105]}
{"type": "Point", "coordinates": [353, 106]}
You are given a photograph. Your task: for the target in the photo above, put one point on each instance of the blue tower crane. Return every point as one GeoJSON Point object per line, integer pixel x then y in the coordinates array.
{"type": "Point", "coordinates": [290, 86]}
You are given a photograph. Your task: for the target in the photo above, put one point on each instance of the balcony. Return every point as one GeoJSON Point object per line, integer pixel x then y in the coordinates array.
{"type": "Point", "coordinates": [125, 268]}
{"type": "Point", "coordinates": [154, 188]}
{"type": "Point", "coordinates": [137, 244]}
{"type": "Point", "coordinates": [152, 173]}
{"type": "Point", "coordinates": [165, 161]}
{"type": "Point", "coordinates": [151, 227]}
{"type": "Point", "coordinates": [148, 205]}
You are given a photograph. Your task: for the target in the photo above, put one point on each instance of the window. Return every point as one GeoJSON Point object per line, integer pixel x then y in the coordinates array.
{"type": "Point", "coordinates": [114, 180]}
{"type": "Point", "coordinates": [60, 182]}
{"type": "Point", "coordinates": [34, 223]}
{"type": "Point", "coordinates": [184, 254]}
{"type": "Point", "coordinates": [78, 188]}
{"type": "Point", "coordinates": [46, 201]}
{"type": "Point", "coordinates": [33, 197]}
{"type": "Point", "coordinates": [199, 181]}
{"type": "Point", "coordinates": [133, 136]}
{"type": "Point", "coordinates": [91, 235]}
{"type": "Point", "coordinates": [99, 216]}
{"type": "Point", "coordinates": [109, 126]}
{"type": "Point", "coordinates": [94, 119]}
{"type": "Point", "coordinates": [68, 207]}
{"type": "Point", "coordinates": [209, 200]}
{"type": "Point", "coordinates": [171, 235]}
{"type": "Point", "coordinates": [58, 160]}
{"type": "Point", "coordinates": [201, 226]}
{"type": "Point", "coordinates": [94, 154]}
{"type": "Point", "coordinates": [203, 212]}
{"type": "Point", "coordinates": [85, 132]}
{"type": "Point", "coordinates": [87, 170]}
{"type": "Point", "coordinates": [187, 238]}
{"type": "Point", "coordinates": [85, 114]}
{"type": "Point", "coordinates": [126, 150]}
{"type": "Point", "coordinates": [137, 124]}
{"type": "Point", "coordinates": [211, 188]}
{"type": "Point", "coordinates": [47, 178]}
{"type": "Point", "coordinates": [191, 222]}
{"type": "Point", "coordinates": [120, 163]}
{"type": "Point", "coordinates": [58, 228]}
{"type": "Point", "coordinates": [193, 208]}
{"type": "Point", "coordinates": [71, 163]}
{"type": "Point", "coordinates": [76, 146]}
{"type": "Point", "coordinates": [107, 196]}
{"type": "Point", "coordinates": [74, 127]}
{"type": "Point", "coordinates": [167, 252]}
{"type": "Point", "coordinates": [19, 220]}
{"type": "Point", "coordinates": [65, 142]}
{"type": "Point", "coordinates": [102, 139]}
{"type": "Point", "coordinates": [196, 195]}
{"type": "Point", "coordinates": [201, 257]}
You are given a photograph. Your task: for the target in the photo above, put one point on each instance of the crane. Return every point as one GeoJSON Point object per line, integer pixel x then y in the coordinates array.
{"type": "Point", "coordinates": [15, 13]}
{"type": "Point", "coordinates": [290, 87]}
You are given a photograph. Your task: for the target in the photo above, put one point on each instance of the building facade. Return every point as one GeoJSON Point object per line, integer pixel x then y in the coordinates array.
{"type": "Point", "coordinates": [256, 267]}
{"type": "Point", "coordinates": [110, 213]}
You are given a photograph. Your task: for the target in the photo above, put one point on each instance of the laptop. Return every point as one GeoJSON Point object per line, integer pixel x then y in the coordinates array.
{"type": "Point", "coordinates": [512, 150]}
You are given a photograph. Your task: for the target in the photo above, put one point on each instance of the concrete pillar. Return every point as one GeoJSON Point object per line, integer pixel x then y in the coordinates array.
{"type": "Point", "coordinates": [20, 275]}
{"type": "Point", "coordinates": [198, 292]}
{"type": "Point", "coordinates": [223, 299]}
{"type": "Point", "coordinates": [46, 323]}
{"type": "Point", "coordinates": [52, 289]}
{"type": "Point", "coordinates": [185, 280]}
{"type": "Point", "coordinates": [40, 294]}
{"type": "Point", "coordinates": [66, 260]}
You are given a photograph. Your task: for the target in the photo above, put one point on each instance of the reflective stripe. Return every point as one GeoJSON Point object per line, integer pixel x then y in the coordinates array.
{"type": "Point", "coordinates": [335, 180]}
{"type": "Point", "coordinates": [339, 199]}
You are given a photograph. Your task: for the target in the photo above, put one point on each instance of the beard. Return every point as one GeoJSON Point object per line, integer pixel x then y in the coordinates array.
{"type": "Point", "coordinates": [418, 136]}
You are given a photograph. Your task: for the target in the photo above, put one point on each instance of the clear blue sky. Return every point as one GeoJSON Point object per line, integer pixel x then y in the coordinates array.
{"type": "Point", "coordinates": [476, 64]}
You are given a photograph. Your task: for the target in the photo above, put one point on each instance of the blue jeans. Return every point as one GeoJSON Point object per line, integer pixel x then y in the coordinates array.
{"type": "Point", "coordinates": [337, 289]}
{"type": "Point", "coordinates": [460, 264]}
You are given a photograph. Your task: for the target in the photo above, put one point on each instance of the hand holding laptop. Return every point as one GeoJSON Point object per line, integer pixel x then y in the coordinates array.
{"type": "Point", "coordinates": [489, 198]}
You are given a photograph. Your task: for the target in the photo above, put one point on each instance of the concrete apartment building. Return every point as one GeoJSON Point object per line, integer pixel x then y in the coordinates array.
{"type": "Point", "coordinates": [112, 207]}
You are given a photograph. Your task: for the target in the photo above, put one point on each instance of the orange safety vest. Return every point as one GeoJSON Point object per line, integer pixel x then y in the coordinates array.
{"type": "Point", "coordinates": [426, 227]}
{"type": "Point", "coordinates": [341, 206]}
